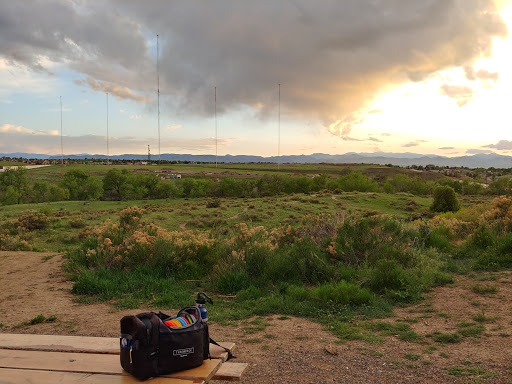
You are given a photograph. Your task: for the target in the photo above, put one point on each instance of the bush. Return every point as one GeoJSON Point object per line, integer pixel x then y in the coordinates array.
{"type": "Point", "coordinates": [445, 200]}
{"type": "Point", "coordinates": [367, 240]}
{"type": "Point", "coordinates": [342, 293]}
{"type": "Point", "coordinates": [33, 221]}
{"type": "Point", "coordinates": [387, 275]}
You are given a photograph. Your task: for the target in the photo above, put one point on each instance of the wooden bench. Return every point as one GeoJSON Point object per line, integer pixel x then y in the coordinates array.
{"type": "Point", "coordinates": [48, 359]}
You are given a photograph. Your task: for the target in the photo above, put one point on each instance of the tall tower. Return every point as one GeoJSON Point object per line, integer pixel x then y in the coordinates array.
{"type": "Point", "coordinates": [149, 156]}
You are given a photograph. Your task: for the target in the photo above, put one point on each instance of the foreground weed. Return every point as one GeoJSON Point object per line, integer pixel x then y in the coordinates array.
{"type": "Point", "coordinates": [470, 329]}
{"type": "Point", "coordinates": [412, 356]}
{"type": "Point", "coordinates": [401, 330]}
{"type": "Point", "coordinates": [371, 352]}
{"type": "Point", "coordinates": [347, 331]}
{"type": "Point", "coordinates": [39, 319]}
{"type": "Point", "coordinates": [467, 370]}
{"type": "Point", "coordinates": [431, 349]}
{"type": "Point", "coordinates": [484, 289]}
{"type": "Point", "coordinates": [482, 318]}
{"type": "Point", "coordinates": [447, 338]}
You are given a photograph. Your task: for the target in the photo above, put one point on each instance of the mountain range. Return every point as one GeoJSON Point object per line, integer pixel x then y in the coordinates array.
{"type": "Point", "coordinates": [400, 159]}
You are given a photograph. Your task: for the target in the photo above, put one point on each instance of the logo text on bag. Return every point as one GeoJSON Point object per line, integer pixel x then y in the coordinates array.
{"type": "Point", "coordinates": [183, 352]}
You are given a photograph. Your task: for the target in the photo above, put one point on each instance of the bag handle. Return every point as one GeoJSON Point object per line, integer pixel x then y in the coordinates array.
{"type": "Point", "coordinates": [230, 355]}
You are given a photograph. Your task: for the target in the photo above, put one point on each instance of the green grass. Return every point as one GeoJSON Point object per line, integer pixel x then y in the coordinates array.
{"type": "Point", "coordinates": [483, 318]}
{"type": "Point", "coordinates": [447, 338]}
{"type": "Point", "coordinates": [484, 289]}
{"type": "Point", "coordinates": [39, 319]}
{"type": "Point", "coordinates": [62, 232]}
{"type": "Point", "coordinates": [401, 330]}
{"type": "Point", "coordinates": [468, 329]}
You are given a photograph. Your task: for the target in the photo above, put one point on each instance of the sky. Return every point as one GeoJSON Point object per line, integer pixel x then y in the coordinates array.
{"type": "Point", "coordinates": [265, 77]}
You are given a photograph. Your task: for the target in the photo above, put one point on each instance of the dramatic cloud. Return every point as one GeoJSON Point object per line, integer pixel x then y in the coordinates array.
{"type": "Point", "coordinates": [502, 145]}
{"type": "Point", "coordinates": [331, 58]}
{"type": "Point", "coordinates": [21, 131]}
{"type": "Point", "coordinates": [120, 93]}
{"type": "Point", "coordinates": [462, 94]}
{"type": "Point", "coordinates": [481, 74]}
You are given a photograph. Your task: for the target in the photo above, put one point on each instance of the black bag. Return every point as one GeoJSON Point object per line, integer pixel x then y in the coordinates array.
{"type": "Point", "coordinates": [150, 348]}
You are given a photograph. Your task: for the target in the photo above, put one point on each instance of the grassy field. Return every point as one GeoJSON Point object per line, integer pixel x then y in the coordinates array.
{"type": "Point", "coordinates": [69, 218]}
{"type": "Point", "coordinates": [330, 256]}
{"type": "Point", "coordinates": [247, 170]}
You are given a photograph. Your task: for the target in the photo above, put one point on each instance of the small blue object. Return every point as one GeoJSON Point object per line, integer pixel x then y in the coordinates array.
{"type": "Point", "coordinates": [202, 310]}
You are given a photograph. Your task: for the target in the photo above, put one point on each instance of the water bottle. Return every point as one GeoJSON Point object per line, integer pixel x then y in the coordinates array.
{"type": "Point", "coordinates": [201, 300]}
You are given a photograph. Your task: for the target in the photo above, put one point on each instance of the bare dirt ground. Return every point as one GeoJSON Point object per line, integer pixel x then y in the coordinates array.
{"type": "Point", "coordinates": [292, 350]}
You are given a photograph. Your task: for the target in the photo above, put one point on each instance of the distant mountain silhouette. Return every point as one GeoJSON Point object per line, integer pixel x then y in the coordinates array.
{"type": "Point", "coordinates": [400, 159]}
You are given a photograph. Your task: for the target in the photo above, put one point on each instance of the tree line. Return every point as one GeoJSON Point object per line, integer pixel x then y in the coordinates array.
{"type": "Point", "coordinates": [16, 187]}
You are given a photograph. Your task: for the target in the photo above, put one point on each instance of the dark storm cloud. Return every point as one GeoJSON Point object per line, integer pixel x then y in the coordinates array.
{"type": "Point", "coordinates": [502, 145]}
{"type": "Point", "coordinates": [331, 57]}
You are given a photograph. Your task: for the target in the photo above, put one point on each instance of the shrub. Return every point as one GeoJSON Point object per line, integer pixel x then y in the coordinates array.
{"type": "Point", "coordinates": [342, 293]}
{"type": "Point", "coordinates": [214, 203]}
{"type": "Point", "coordinates": [33, 221]}
{"type": "Point", "coordinates": [445, 200]}
{"type": "Point", "coordinates": [387, 275]}
{"type": "Point", "coordinates": [367, 240]}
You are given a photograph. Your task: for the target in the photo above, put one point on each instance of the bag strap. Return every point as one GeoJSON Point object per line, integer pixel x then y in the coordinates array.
{"type": "Point", "coordinates": [230, 355]}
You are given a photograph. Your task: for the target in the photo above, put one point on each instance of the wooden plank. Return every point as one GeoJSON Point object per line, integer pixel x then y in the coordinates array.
{"type": "Point", "coordinates": [230, 371]}
{"type": "Point", "coordinates": [206, 371]}
{"type": "Point", "coordinates": [61, 361]}
{"type": "Point", "coordinates": [22, 376]}
{"type": "Point", "coordinates": [80, 344]}
{"type": "Point", "coordinates": [89, 363]}
{"type": "Point", "coordinates": [217, 352]}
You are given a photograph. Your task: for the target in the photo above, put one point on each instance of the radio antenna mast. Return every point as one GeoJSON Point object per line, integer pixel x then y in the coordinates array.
{"type": "Point", "coordinates": [108, 157]}
{"type": "Point", "coordinates": [61, 145]}
{"type": "Point", "coordinates": [279, 130]}
{"type": "Point", "coordinates": [158, 102]}
{"type": "Point", "coordinates": [216, 174]}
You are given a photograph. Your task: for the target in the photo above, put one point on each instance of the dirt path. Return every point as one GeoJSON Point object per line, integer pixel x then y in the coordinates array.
{"type": "Point", "coordinates": [290, 350]}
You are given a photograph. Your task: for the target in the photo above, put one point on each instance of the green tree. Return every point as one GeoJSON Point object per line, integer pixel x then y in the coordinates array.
{"type": "Point", "coordinates": [445, 200]}
{"type": "Point", "coordinates": [471, 188]}
{"type": "Point", "coordinates": [18, 180]}
{"type": "Point", "coordinates": [500, 186]}
{"type": "Point", "coordinates": [9, 196]}
{"type": "Point", "coordinates": [231, 187]}
{"type": "Point", "coordinates": [81, 186]}
{"type": "Point", "coordinates": [356, 181]}
{"type": "Point", "coordinates": [40, 191]}
{"type": "Point", "coordinates": [115, 183]}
